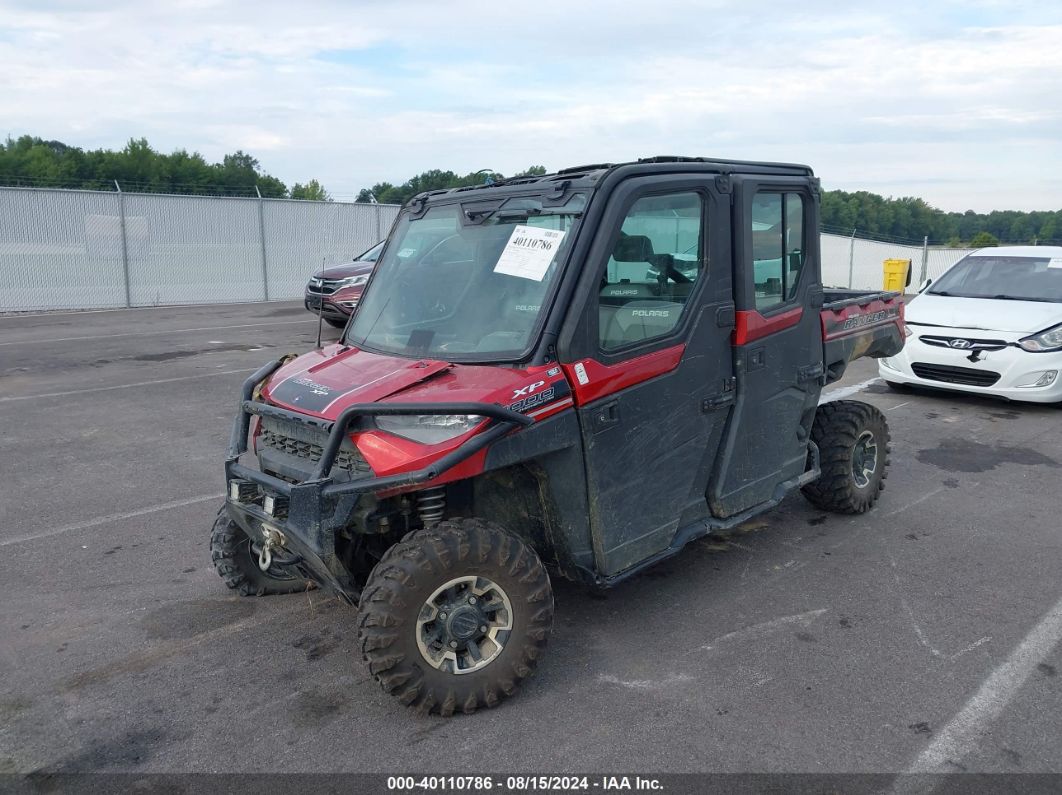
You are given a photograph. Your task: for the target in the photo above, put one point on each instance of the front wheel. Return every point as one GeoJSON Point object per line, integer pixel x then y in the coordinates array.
{"type": "Point", "coordinates": [455, 616]}
{"type": "Point", "coordinates": [334, 323]}
{"type": "Point", "coordinates": [853, 441]}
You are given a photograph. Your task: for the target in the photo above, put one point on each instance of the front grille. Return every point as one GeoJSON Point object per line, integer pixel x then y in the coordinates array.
{"type": "Point", "coordinates": [954, 375]}
{"type": "Point", "coordinates": [307, 444]}
{"type": "Point", "coordinates": [322, 286]}
{"type": "Point", "coordinates": [965, 343]}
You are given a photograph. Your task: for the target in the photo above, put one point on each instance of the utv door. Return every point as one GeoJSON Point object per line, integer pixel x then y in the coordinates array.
{"type": "Point", "coordinates": [777, 342]}
{"type": "Point", "coordinates": [650, 362]}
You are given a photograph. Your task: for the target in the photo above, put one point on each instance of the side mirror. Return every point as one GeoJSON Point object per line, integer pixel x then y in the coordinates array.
{"type": "Point", "coordinates": [924, 285]}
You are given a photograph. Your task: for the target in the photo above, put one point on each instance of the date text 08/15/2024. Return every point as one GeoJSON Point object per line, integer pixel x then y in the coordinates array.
{"type": "Point", "coordinates": [521, 783]}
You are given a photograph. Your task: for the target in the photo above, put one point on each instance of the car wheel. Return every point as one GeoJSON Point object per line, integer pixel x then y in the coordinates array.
{"type": "Point", "coordinates": [853, 442]}
{"type": "Point", "coordinates": [455, 616]}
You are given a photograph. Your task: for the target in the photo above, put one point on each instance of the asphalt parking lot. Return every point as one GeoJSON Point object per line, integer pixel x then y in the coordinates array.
{"type": "Point", "coordinates": [918, 637]}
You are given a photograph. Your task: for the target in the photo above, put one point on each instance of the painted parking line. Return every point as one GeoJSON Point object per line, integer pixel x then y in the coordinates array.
{"type": "Point", "coordinates": [124, 386]}
{"type": "Point", "coordinates": [964, 732]}
{"type": "Point", "coordinates": [844, 391]}
{"type": "Point", "coordinates": [114, 517]}
{"type": "Point", "coordinates": [917, 501]}
{"type": "Point", "coordinates": [46, 313]}
{"type": "Point", "coordinates": [157, 332]}
{"type": "Point", "coordinates": [762, 630]}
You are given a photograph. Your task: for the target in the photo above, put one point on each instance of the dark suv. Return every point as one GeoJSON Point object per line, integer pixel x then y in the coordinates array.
{"type": "Point", "coordinates": [336, 290]}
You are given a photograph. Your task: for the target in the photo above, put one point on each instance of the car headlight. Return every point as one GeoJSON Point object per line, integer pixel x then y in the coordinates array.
{"type": "Point", "coordinates": [907, 330]}
{"type": "Point", "coordinates": [1050, 340]}
{"type": "Point", "coordinates": [353, 281]}
{"type": "Point", "coordinates": [428, 428]}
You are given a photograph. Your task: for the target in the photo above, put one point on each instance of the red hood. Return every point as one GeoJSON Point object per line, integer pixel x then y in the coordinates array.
{"type": "Point", "coordinates": [344, 270]}
{"type": "Point", "coordinates": [324, 382]}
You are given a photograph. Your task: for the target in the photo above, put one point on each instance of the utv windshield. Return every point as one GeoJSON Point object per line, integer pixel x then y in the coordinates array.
{"type": "Point", "coordinates": [465, 281]}
{"type": "Point", "coordinates": [1013, 278]}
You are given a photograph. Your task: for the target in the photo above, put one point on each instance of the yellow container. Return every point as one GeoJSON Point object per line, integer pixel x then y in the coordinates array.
{"type": "Point", "coordinates": [897, 274]}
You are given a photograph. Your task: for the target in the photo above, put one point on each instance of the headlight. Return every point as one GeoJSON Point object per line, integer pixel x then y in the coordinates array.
{"type": "Point", "coordinates": [428, 428]}
{"type": "Point", "coordinates": [1050, 340]}
{"type": "Point", "coordinates": [907, 330]}
{"type": "Point", "coordinates": [353, 281]}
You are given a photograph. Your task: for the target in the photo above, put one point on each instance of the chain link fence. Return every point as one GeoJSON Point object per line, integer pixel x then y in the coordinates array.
{"type": "Point", "coordinates": [72, 249]}
{"type": "Point", "coordinates": [850, 261]}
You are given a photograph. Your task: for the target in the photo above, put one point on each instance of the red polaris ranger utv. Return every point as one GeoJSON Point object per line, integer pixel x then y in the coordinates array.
{"type": "Point", "coordinates": [577, 373]}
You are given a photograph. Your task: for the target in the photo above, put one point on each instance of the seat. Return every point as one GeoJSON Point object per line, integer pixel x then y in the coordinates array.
{"type": "Point", "coordinates": [633, 248]}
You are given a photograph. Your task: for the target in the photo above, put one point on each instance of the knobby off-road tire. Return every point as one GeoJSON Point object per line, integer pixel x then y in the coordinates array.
{"type": "Point", "coordinates": [847, 432]}
{"type": "Point", "coordinates": [399, 612]}
{"type": "Point", "coordinates": [237, 564]}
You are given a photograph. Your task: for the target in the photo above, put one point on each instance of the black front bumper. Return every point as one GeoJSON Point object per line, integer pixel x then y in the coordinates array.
{"type": "Point", "coordinates": [310, 513]}
{"type": "Point", "coordinates": [327, 309]}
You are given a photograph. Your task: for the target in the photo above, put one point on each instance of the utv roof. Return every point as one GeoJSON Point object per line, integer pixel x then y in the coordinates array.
{"type": "Point", "coordinates": [589, 174]}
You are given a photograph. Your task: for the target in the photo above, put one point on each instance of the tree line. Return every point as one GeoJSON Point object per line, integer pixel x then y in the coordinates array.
{"type": "Point", "coordinates": [911, 220]}
{"type": "Point", "coordinates": [35, 162]}
{"type": "Point", "coordinates": [435, 179]}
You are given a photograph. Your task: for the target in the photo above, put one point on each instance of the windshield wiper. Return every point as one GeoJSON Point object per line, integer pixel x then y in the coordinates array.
{"type": "Point", "coordinates": [999, 297]}
{"type": "Point", "coordinates": [1023, 298]}
{"type": "Point", "coordinates": [532, 212]}
{"type": "Point", "coordinates": [517, 214]}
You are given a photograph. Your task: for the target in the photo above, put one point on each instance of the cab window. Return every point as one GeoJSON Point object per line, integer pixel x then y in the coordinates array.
{"type": "Point", "coordinates": [654, 265]}
{"type": "Point", "coordinates": [777, 246]}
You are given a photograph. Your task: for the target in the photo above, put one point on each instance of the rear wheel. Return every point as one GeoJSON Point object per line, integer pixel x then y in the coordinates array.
{"type": "Point", "coordinates": [236, 561]}
{"type": "Point", "coordinates": [455, 617]}
{"type": "Point", "coordinates": [853, 441]}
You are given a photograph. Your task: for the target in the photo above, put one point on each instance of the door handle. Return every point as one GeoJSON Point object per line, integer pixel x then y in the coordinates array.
{"type": "Point", "coordinates": [724, 398]}
{"type": "Point", "coordinates": [607, 416]}
{"type": "Point", "coordinates": [811, 372]}
{"type": "Point", "coordinates": [717, 402]}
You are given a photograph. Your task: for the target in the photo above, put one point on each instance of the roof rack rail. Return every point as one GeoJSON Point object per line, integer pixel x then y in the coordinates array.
{"type": "Point", "coordinates": [671, 159]}
{"type": "Point", "coordinates": [574, 169]}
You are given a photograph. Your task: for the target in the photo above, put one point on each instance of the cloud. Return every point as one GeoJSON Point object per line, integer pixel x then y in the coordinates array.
{"type": "Point", "coordinates": [956, 102]}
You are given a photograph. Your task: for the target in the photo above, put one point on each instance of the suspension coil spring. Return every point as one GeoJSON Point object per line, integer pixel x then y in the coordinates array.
{"type": "Point", "coordinates": [431, 504]}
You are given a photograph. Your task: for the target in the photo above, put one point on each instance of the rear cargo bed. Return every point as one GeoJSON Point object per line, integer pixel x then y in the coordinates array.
{"type": "Point", "coordinates": [857, 323]}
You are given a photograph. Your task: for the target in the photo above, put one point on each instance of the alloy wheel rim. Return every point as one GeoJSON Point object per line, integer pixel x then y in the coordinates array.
{"type": "Point", "coordinates": [464, 625]}
{"type": "Point", "coordinates": [864, 459]}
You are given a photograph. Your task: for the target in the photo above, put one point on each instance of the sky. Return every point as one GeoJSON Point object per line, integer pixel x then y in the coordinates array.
{"type": "Point", "coordinates": [959, 103]}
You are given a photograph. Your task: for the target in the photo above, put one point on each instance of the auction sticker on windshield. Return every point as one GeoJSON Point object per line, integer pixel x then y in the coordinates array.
{"type": "Point", "coordinates": [529, 252]}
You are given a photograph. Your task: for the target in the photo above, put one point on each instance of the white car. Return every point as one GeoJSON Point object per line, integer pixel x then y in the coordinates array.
{"type": "Point", "coordinates": [991, 325]}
